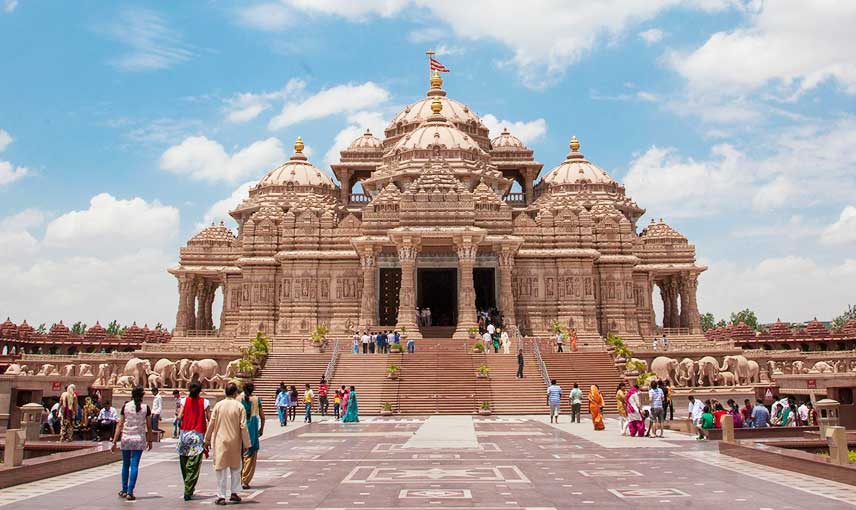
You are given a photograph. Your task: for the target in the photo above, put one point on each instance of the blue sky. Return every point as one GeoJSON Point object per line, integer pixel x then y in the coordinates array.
{"type": "Point", "coordinates": [125, 126]}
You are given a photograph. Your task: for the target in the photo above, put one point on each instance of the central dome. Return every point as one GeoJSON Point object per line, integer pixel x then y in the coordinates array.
{"type": "Point", "coordinates": [575, 169]}
{"type": "Point", "coordinates": [297, 171]}
{"type": "Point", "coordinates": [439, 133]}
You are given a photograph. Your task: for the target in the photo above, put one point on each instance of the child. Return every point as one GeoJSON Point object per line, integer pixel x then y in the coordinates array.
{"type": "Point", "coordinates": [646, 420]}
{"type": "Point", "coordinates": [707, 421]}
{"type": "Point", "coordinates": [337, 403]}
{"type": "Point", "coordinates": [176, 423]}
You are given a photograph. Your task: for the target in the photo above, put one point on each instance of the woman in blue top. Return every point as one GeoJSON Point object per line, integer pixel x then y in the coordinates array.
{"type": "Point", "coordinates": [255, 427]}
{"type": "Point", "coordinates": [283, 400]}
{"type": "Point", "coordinates": [353, 413]}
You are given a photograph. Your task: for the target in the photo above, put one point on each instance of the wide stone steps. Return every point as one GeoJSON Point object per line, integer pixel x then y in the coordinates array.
{"type": "Point", "coordinates": [293, 369]}
{"type": "Point", "coordinates": [584, 368]}
{"type": "Point", "coordinates": [367, 373]}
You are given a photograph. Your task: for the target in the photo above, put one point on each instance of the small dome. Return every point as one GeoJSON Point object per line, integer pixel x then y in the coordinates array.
{"type": "Point", "coordinates": [96, 332]}
{"type": "Point", "coordinates": [366, 141]}
{"type": "Point", "coordinates": [59, 330]}
{"type": "Point", "coordinates": [297, 171]}
{"type": "Point", "coordinates": [133, 332]}
{"type": "Point", "coordinates": [8, 329]}
{"type": "Point", "coordinates": [220, 235]}
{"type": "Point", "coordinates": [577, 170]}
{"type": "Point", "coordinates": [507, 142]}
{"type": "Point", "coordinates": [660, 230]}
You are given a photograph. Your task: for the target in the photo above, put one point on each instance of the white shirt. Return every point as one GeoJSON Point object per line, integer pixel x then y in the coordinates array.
{"type": "Point", "coordinates": [366, 339]}
{"type": "Point", "coordinates": [390, 338]}
{"type": "Point", "coordinates": [157, 404]}
{"type": "Point", "coordinates": [559, 339]}
{"type": "Point", "coordinates": [108, 414]}
{"type": "Point", "coordinates": [486, 338]}
{"type": "Point", "coordinates": [697, 409]}
{"type": "Point", "coordinates": [491, 329]}
{"type": "Point", "coordinates": [654, 346]}
{"type": "Point", "coordinates": [803, 412]}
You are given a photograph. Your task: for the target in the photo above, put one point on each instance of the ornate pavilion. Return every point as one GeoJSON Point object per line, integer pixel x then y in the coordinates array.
{"type": "Point", "coordinates": [437, 226]}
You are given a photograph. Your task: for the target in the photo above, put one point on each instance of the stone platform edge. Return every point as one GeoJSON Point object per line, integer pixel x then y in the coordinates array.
{"type": "Point", "coordinates": [797, 461]}
{"type": "Point", "coordinates": [48, 466]}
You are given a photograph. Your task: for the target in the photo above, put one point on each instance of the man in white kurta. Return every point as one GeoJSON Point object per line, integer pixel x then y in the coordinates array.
{"type": "Point", "coordinates": [227, 434]}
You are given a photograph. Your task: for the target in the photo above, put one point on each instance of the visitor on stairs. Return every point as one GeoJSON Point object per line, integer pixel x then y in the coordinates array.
{"type": "Point", "coordinates": [307, 404]}
{"type": "Point", "coordinates": [596, 407]}
{"type": "Point", "coordinates": [194, 420]}
{"type": "Point", "coordinates": [283, 402]}
{"type": "Point", "coordinates": [356, 344]}
{"type": "Point", "coordinates": [337, 403]}
{"type": "Point", "coordinates": [554, 400]}
{"type": "Point", "coordinates": [621, 407]}
{"type": "Point", "coordinates": [292, 403]}
{"type": "Point", "coordinates": [323, 404]}
{"type": "Point", "coordinates": [559, 342]}
{"type": "Point", "coordinates": [411, 345]}
{"type": "Point", "coordinates": [133, 434]}
{"type": "Point", "coordinates": [366, 340]}
{"type": "Point", "coordinates": [487, 341]}
{"type": "Point", "coordinates": [520, 363]}
{"type": "Point", "coordinates": [506, 342]}
{"type": "Point", "coordinates": [576, 399]}
{"type": "Point", "coordinates": [227, 435]}
{"type": "Point", "coordinates": [255, 428]}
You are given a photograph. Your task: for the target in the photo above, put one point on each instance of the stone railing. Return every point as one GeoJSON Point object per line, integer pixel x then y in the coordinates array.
{"type": "Point", "coordinates": [334, 358]}
{"type": "Point", "coordinates": [536, 349]}
{"type": "Point", "coordinates": [359, 199]}
{"type": "Point", "coordinates": [191, 347]}
{"type": "Point", "coordinates": [67, 358]}
{"type": "Point", "coordinates": [200, 332]}
{"type": "Point", "coordinates": [515, 199]}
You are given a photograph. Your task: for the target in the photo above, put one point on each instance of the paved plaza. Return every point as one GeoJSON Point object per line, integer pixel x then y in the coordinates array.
{"type": "Point", "coordinates": [455, 462]}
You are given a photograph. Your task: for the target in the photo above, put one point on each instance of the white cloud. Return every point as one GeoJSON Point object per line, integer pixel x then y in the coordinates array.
{"type": "Point", "coordinates": [206, 160]}
{"type": "Point", "coordinates": [9, 173]}
{"type": "Point", "coordinates": [5, 139]}
{"type": "Point", "coordinates": [427, 35]}
{"type": "Point", "coordinates": [269, 16]}
{"type": "Point", "coordinates": [792, 44]}
{"type": "Point", "coordinates": [652, 36]}
{"type": "Point", "coordinates": [152, 44]}
{"type": "Point", "coordinates": [357, 125]}
{"type": "Point", "coordinates": [527, 132]}
{"type": "Point", "coordinates": [447, 50]}
{"type": "Point", "coordinates": [793, 288]}
{"type": "Point", "coordinates": [332, 101]}
{"type": "Point", "coordinates": [219, 210]}
{"type": "Point", "coordinates": [843, 231]}
{"type": "Point", "coordinates": [102, 263]}
{"type": "Point", "coordinates": [246, 106]}
{"type": "Point", "coordinates": [639, 95]}
{"type": "Point", "coordinates": [9, 5]}
{"type": "Point", "coordinates": [797, 227]}
{"type": "Point", "coordinates": [354, 11]}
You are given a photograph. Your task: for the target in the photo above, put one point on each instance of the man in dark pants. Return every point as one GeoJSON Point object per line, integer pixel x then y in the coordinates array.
{"type": "Point", "coordinates": [520, 363]}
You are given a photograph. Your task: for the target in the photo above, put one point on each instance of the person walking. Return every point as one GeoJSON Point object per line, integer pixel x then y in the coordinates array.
{"type": "Point", "coordinates": [520, 363]}
{"type": "Point", "coordinates": [573, 340]}
{"type": "Point", "coordinates": [283, 401]}
{"type": "Point", "coordinates": [596, 407]}
{"type": "Point", "coordinates": [658, 413]}
{"type": "Point", "coordinates": [669, 406]}
{"type": "Point", "coordinates": [506, 342]}
{"type": "Point", "coordinates": [308, 395]}
{"type": "Point", "coordinates": [157, 409]}
{"type": "Point", "coordinates": [554, 400]}
{"type": "Point", "coordinates": [133, 435]}
{"type": "Point", "coordinates": [67, 410]}
{"type": "Point", "coordinates": [193, 416]}
{"type": "Point", "coordinates": [621, 407]}
{"type": "Point", "coordinates": [176, 422]}
{"type": "Point", "coordinates": [227, 434]}
{"type": "Point", "coordinates": [323, 403]}
{"type": "Point", "coordinates": [576, 399]}
{"type": "Point", "coordinates": [356, 345]}
{"type": "Point", "coordinates": [635, 422]}
{"type": "Point", "coordinates": [695, 408]}
{"type": "Point", "coordinates": [560, 342]}
{"type": "Point", "coordinates": [345, 394]}
{"type": "Point", "coordinates": [411, 345]}
{"type": "Point", "coordinates": [353, 413]}
{"type": "Point", "coordinates": [337, 404]}
{"type": "Point", "coordinates": [487, 341]}
{"type": "Point", "coordinates": [255, 429]}
{"type": "Point", "coordinates": [292, 403]}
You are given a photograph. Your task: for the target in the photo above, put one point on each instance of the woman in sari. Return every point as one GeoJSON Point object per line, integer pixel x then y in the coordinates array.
{"type": "Point", "coordinates": [255, 427]}
{"type": "Point", "coordinates": [621, 407]}
{"type": "Point", "coordinates": [193, 421]}
{"type": "Point", "coordinates": [352, 415]}
{"type": "Point", "coordinates": [67, 410]}
{"type": "Point", "coordinates": [573, 340]}
{"type": "Point", "coordinates": [596, 407]}
{"type": "Point", "coordinates": [635, 424]}
{"type": "Point", "coordinates": [345, 395]}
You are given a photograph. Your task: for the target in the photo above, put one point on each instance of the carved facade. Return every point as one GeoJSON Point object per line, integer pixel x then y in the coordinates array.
{"type": "Point", "coordinates": [436, 192]}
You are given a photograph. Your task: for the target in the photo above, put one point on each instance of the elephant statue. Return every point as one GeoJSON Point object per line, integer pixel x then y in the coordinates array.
{"type": "Point", "coordinates": [686, 376]}
{"type": "Point", "coordinates": [665, 368]}
{"type": "Point", "coordinates": [754, 371]}
{"type": "Point", "coordinates": [232, 368]}
{"type": "Point", "coordinates": [822, 367]}
{"type": "Point", "coordinates": [16, 369]}
{"type": "Point", "coordinates": [67, 370]}
{"type": "Point", "coordinates": [726, 378]}
{"type": "Point", "coordinates": [138, 369]}
{"type": "Point", "coordinates": [737, 365]}
{"type": "Point", "coordinates": [126, 381]}
{"type": "Point", "coordinates": [203, 369]}
{"type": "Point", "coordinates": [708, 369]}
{"type": "Point", "coordinates": [797, 367]}
{"type": "Point", "coordinates": [102, 378]}
{"type": "Point", "coordinates": [219, 381]}
{"type": "Point", "coordinates": [113, 380]}
{"type": "Point", "coordinates": [85, 370]}
{"type": "Point", "coordinates": [47, 369]}
{"type": "Point", "coordinates": [154, 380]}
{"type": "Point", "coordinates": [182, 372]}
{"type": "Point", "coordinates": [166, 370]}
{"type": "Point", "coordinates": [839, 366]}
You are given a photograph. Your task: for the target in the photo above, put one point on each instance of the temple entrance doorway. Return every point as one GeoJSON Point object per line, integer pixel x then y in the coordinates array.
{"type": "Point", "coordinates": [390, 284]}
{"type": "Point", "coordinates": [485, 285]}
{"type": "Point", "coordinates": [437, 289]}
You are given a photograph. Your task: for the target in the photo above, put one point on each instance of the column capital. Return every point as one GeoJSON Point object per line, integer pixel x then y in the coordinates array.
{"type": "Point", "coordinates": [408, 250]}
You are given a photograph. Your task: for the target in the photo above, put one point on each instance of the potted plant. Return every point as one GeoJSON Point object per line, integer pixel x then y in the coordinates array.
{"type": "Point", "coordinates": [478, 347]}
{"type": "Point", "coordinates": [246, 368]}
{"type": "Point", "coordinates": [392, 372]}
{"type": "Point", "coordinates": [259, 349]}
{"type": "Point", "coordinates": [485, 409]}
{"type": "Point", "coordinates": [319, 338]}
{"type": "Point", "coordinates": [634, 367]}
{"type": "Point", "coordinates": [395, 348]}
{"type": "Point", "coordinates": [483, 372]}
{"type": "Point", "coordinates": [643, 378]}
{"type": "Point", "coordinates": [472, 331]}
{"type": "Point", "coordinates": [387, 409]}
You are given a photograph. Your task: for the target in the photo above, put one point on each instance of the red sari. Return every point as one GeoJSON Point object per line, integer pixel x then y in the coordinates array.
{"type": "Point", "coordinates": [595, 407]}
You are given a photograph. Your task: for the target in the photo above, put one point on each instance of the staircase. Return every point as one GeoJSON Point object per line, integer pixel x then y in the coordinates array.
{"type": "Point", "coordinates": [510, 395]}
{"type": "Point", "coordinates": [584, 368]}
{"type": "Point", "coordinates": [367, 372]}
{"type": "Point", "coordinates": [440, 378]}
{"type": "Point", "coordinates": [290, 368]}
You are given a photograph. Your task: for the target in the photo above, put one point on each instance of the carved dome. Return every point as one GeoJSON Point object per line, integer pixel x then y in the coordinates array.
{"type": "Point", "coordinates": [507, 142]}
{"type": "Point", "coordinates": [660, 230]}
{"type": "Point", "coordinates": [297, 171]}
{"type": "Point", "coordinates": [439, 133]}
{"type": "Point", "coordinates": [96, 332]}
{"type": "Point", "coordinates": [366, 141]}
{"type": "Point", "coordinates": [577, 170]}
{"type": "Point", "coordinates": [216, 235]}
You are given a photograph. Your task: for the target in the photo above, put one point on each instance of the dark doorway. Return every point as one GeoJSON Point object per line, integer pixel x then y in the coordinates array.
{"type": "Point", "coordinates": [438, 290]}
{"type": "Point", "coordinates": [485, 285]}
{"type": "Point", "coordinates": [390, 283]}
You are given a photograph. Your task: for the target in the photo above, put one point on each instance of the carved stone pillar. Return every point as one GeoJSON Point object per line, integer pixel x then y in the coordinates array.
{"type": "Point", "coordinates": [466, 291]}
{"type": "Point", "coordinates": [685, 297]}
{"type": "Point", "coordinates": [407, 253]}
{"type": "Point", "coordinates": [184, 291]}
{"type": "Point", "coordinates": [208, 316]}
{"type": "Point", "coordinates": [506, 297]}
{"type": "Point", "coordinates": [190, 302]}
{"type": "Point", "coordinates": [693, 317]}
{"type": "Point", "coordinates": [223, 314]}
{"type": "Point", "coordinates": [667, 307]}
{"type": "Point", "coordinates": [675, 321]}
{"type": "Point", "coordinates": [346, 189]}
{"type": "Point", "coordinates": [199, 304]}
{"type": "Point", "coordinates": [368, 306]}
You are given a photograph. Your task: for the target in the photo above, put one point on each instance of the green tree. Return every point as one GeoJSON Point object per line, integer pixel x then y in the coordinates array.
{"type": "Point", "coordinates": [707, 321]}
{"type": "Point", "coordinates": [113, 328]}
{"type": "Point", "coordinates": [78, 328]}
{"type": "Point", "coordinates": [721, 323]}
{"type": "Point", "coordinates": [842, 319]}
{"type": "Point", "coordinates": [42, 328]}
{"type": "Point", "coordinates": [746, 316]}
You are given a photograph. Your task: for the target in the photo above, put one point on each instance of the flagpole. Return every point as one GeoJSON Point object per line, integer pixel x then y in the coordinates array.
{"type": "Point", "coordinates": [430, 54]}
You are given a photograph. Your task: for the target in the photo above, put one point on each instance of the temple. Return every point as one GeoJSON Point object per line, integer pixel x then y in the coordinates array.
{"type": "Point", "coordinates": [447, 219]}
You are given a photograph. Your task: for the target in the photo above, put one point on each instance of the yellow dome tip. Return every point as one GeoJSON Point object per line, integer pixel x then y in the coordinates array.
{"type": "Point", "coordinates": [575, 144]}
{"type": "Point", "coordinates": [298, 145]}
{"type": "Point", "coordinates": [436, 106]}
{"type": "Point", "coordinates": [436, 81]}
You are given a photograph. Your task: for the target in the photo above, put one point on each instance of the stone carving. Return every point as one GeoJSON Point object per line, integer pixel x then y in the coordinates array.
{"type": "Point", "coordinates": [16, 369]}
{"type": "Point", "coordinates": [154, 380]}
{"type": "Point", "coordinates": [67, 370]}
{"type": "Point", "coordinates": [203, 369]}
{"type": "Point", "coordinates": [166, 369]}
{"type": "Point", "coordinates": [232, 368]}
{"type": "Point", "coordinates": [125, 382]}
{"type": "Point", "coordinates": [737, 365]}
{"type": "Point", "coordinates": [48, 369]}
{"type": "Point", "coordinates": [217, 381]}
{"type": "Point", "coordinates": [708, 368]}
{"type": "Point", "coordinates": [754, 371]}
{"type": "Point", "coordinates": [665, 368]}
{"type": "Point", "coordinates": [686, 375]}
{"type": "Point", "coordinates": [102, 378]}
{"type": "Point", "coordinates": [821, 367]}
{"type": "Point", "coordinates": [797, 367]}
{"type": "Point", "coordinates": [138, 369]}
{"type": "Point", "coordinates": [726, 378]}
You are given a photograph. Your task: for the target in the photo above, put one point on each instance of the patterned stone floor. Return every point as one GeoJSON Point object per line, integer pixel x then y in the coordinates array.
{"type": "Point", "coordinates": [515, 463]}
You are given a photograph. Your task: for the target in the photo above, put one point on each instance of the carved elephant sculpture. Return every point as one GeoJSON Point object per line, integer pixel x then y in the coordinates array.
{"type": "Point", "coordinates": [797, 367]}
{"type": "Point", "coordinates": [686, 376]}
{"type": "Point", "coordinates": [138, 369]}
{"type": "Point", "coordinates": [182, 372]}
{"type": "Point", "coordinates": [754, 371]}
{"type": "Point", "coordinates": [708, 369]}
{"type": "Point", "coordinates": [67, 370]}
{"type": "Point", "coordinates": [166, 370]}
{"type": "Point", "coordinates": [126, 382]}
{"type": "Point", "coordinates": [16, 369]}
{"type": "Point", "coordinates": [203, 369]}
{"type": "Point", "coordinates": [726, 378]}
{"type": "Point", "coordinates": [665, 368]}
{"type": "Point", "coordinates": [232, 368]}
{"type": "Point", "coordinates": [737, 365]}
{"type": "Point", "coordinates": [154, 380]}
{"type": "Point", "coordinates": [823, 367]}
{"type": "Point", "coordinates": [219, 381]}
{"type": "Point", "coordinates": [102, 378]}
{"type": "Point", "coordinates": [48, 369]}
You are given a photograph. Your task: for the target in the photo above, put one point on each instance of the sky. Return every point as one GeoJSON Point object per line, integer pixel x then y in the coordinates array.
{"type": "Point", "coordinates": [125, 127]}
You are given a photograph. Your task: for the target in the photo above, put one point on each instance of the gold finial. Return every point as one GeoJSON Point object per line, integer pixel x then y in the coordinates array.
{"type": "Point", "coordinates": [436, 81]}
{"type": "Point", "coordinates": [575, 144]}
{"type": "Point", "coordinates": [436, 106]}
{"type": "Point", "coordinates": [298, 145]}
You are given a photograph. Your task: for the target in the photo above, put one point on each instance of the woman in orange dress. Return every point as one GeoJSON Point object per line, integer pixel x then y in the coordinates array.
{"type": "Point", "coordinates": [596, 407]}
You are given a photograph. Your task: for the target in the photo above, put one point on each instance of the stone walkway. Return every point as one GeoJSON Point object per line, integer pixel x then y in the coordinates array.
{"type": "Point", "coordinates": [455, 463]}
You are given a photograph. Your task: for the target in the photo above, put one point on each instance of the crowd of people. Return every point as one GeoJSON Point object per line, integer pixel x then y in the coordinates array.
{"type": "Point", "coordinates": [380, 342]}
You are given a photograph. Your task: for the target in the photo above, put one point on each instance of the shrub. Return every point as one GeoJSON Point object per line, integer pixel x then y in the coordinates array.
{"type": "Point", "coordinates": [641, 378]}
{"type": "Point", "coordinates": [634, 365]}
{"type": "Point", "coordinates": [472, 330]}
{"type": "Point", "coordinates": [387, 406]}
{"type": "Point", "coordinates": [479, 347]}
{"type": "Point", "coordinates": [393, 369]}
{"type": "Point", "coordinates": [319, 336]}
{"type": "Point", "coordinates": [485, 406]}
{"type": "Point", "coordinates": [484, 370]}
{"type": "Point", "coordinates": [395, 348]}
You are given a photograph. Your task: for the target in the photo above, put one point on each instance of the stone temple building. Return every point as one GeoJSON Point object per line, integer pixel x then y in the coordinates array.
{"type": "Point", "coordinates": [437, 226]}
